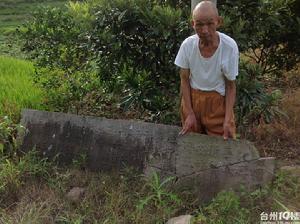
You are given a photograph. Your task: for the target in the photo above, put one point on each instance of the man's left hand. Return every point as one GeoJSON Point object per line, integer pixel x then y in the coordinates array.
{"type": "Point", "coordinates": [229, 131]}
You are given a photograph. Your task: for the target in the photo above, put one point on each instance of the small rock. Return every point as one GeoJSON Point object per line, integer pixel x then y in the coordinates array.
{"type": "Point", "coordinates": [183, 219]}
{"type": "Point", "coordinates": [75, 194]}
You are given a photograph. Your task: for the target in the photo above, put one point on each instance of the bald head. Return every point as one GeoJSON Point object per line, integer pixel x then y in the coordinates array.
{"type": "Point", "coordinates": [205, 8]}
{"type": "Point", "coordinates": [206, 21]}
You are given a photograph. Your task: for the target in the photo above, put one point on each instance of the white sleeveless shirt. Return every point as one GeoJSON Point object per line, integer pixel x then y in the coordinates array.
{"type": "Point", "coordinates": [207, 74]}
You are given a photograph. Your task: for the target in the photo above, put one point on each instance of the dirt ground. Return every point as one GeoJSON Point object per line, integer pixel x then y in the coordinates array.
{"type": "Point", "coordinates": [281, 139]}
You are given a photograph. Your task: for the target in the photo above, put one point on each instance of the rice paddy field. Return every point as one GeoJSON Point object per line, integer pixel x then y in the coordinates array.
{"type": "Point", "coordinates": [17, 88]}
{"type": "Point", "coordinates": [14, 13]}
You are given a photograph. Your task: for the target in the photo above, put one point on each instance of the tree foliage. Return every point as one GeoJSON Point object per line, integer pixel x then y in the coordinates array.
{"type": "Point", "coordinates": [128, 48]}
{"type": "Point", "coordinates": [54, 38]}
{"type": "Point", "coordinates": [266, 31]}
{"type": "Point", "coordinates": [143, 37]}
{"type": "Point", "coordinates": [131, 44]}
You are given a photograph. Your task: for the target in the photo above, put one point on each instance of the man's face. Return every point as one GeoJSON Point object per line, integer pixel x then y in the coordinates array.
{"type": "Point", "coordinates": [205, 25]}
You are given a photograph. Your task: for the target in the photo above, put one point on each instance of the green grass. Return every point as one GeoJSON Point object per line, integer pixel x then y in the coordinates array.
{"type": "Point", "coordinates": [17, 90]}
{"type": "Point", "coordinates": [35, 192]}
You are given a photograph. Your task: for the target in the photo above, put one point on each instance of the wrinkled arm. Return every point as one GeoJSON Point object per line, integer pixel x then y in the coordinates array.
{"type": "Point", "coordinates": [230, 95]}
{"type": "Point", "coordinates": [190, 120]}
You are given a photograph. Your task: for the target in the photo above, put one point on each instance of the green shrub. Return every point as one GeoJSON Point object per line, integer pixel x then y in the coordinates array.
{"type": "Point", "coordinates": [136, 91]}
{"type": "Point", "coordinates": [141, 35]}
{"type": "Point", "coordinates": [159, 196]}
{"type": "Point", "coordinates": [132, 44]}
{"type": "Point", "coordinates": [56, 38]}
{"type": "Point", "coordinates": [66, 92]}
{"type": "Point", "coordinates": [254, 104]}
{"type": "Point", "coordinates": [270, 36]}
{"type": "Point", "coordinates": [125, 38]}
{"type": "Point", "coordinates": [137, 43]}
{"type": "Point", "coordinates": [245, 207]}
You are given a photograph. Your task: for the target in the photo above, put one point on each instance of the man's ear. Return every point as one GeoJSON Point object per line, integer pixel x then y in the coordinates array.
{"type": "Point", "coordinates": [192, 23]}
{"type": "Point", "coordinates": [220, 21]}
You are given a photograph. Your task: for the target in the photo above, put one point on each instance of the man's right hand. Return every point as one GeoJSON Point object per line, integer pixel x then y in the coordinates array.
{"type": "Point", "coordinates": [189, 124]}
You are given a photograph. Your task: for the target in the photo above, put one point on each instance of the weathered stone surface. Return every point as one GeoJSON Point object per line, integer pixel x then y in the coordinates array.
{"type": "Point", "coordinates": [197, 152]}
{"type": "Point", "coordinates": [204, 164]}
{"type": "Point", "coordinates": [109, 144]}
{"type": "Point", "coordinates": [183, 219]}
{"type": "Point", "coordinates": [249, 174]}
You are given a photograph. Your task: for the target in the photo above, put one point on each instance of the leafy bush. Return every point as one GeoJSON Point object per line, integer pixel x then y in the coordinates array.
{"type": "Point", "coordinates": [56, 38]}
{"type": "Point", "coordinates": [65, 92]}
{"type": "Point", "coordinates": [270, 37]}
{"type": "Point", "coordinates": [245, 207]}
{"type": "Point", "coordinates": [136, 41]}
{"type": "Point", "coordinates": [137, 93]}
{"type": "Point", "coordinates": [131, 44]}
{"type": "Point", "coordinates": [141, 35]}
{"type": "Point", "coordinates": [254, 104]}
{"type": "Point", "coordinates": [10, 176]}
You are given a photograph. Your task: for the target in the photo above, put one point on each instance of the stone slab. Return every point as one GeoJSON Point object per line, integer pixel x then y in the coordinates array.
{"type": "Point", "coordinates": [203, 163]}
{"type": "Point", "coordinates": [248, 174]}
{"type": "Point", "coordinates": [109, 144]}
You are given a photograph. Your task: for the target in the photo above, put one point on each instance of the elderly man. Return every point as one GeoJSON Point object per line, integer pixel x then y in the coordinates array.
{"type": "Point", "coordinates": [208, 64]}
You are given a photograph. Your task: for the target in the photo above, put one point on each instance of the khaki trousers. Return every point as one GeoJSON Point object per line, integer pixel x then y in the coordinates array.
{"type": "Point", "coordinates": [209, 109]}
